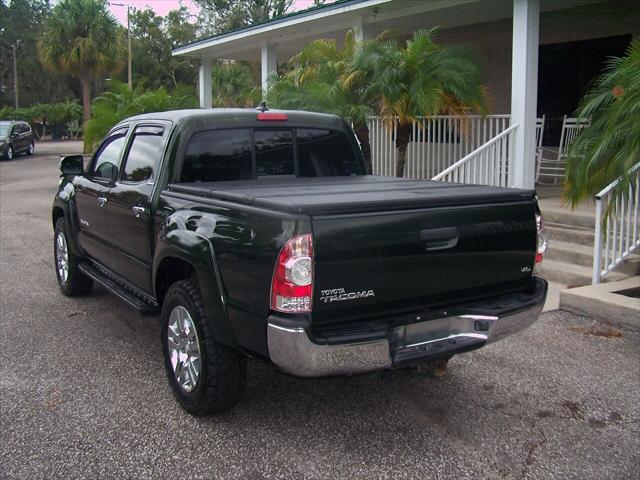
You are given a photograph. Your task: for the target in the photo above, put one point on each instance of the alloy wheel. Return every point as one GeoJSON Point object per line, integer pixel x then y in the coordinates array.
{"type": "Point", "coordinates": [184, 349]}
{"type": "Point", "coordinates": [62, 257]}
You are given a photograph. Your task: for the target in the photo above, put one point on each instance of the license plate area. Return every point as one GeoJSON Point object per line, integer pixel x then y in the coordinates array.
{"type": "Point", "coordinates": [439, 337]}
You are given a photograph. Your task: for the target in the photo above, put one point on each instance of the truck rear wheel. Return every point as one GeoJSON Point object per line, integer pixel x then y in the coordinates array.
{"type": "Point", "coordinates": [71, 280]}
{"type": "Point", "coordinates": [206, 377]}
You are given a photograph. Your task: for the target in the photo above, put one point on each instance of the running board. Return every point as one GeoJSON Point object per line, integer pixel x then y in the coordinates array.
{"type": "Point", "coordinates": [128, 293]}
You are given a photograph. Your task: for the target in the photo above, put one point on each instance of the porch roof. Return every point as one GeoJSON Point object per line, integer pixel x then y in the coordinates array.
{"type": "Point", "coordinates": [289, 33]}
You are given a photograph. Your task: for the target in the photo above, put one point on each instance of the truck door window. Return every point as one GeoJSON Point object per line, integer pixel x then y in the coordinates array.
{"type": "Point", "coordinates": [326, 153]}
{"type": "Point", "coordinates": [218, 155]}
{"type": "Point", "coordinates": [274, 152]}
{"type": "Point", "coordinates": [107, 158]}
{"type": "Point", "coordinates": [144, 154]}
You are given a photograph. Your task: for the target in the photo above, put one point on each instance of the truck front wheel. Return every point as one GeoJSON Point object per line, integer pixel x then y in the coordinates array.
{"type": "Point", "coordinates": [206, 377]}
{"type": "Point", "coordinates": [71, 280]}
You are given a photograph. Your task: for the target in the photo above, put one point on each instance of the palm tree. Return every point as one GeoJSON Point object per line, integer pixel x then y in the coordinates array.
{"type": "Point", "coordinates": [417, 79]}
{"type": "Point", "coordinates": [82, 39]}
{"type": "Point", "coordinates": [610, 147]}
{"type": "Point", "coordinates": [121, 102]}
{"type": "Point", "coordinates": [234, 86]}
{"type": "Point", "coordinates": [316, 82]}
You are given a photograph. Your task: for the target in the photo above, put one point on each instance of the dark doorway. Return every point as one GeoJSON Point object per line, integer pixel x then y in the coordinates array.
{"type": "Point", "coordinates": [564, 73]}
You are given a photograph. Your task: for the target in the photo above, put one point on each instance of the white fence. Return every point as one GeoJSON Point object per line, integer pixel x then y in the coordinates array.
{"type": "Point", "coordinates": [486, 165]}
{"type": "Point", "coordinates": [437, 142]}
{"type": "Point", "coordinates": [618, 235]}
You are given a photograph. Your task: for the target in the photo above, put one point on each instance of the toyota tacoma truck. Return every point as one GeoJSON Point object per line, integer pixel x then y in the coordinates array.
{"type": "Point", "coordinates": [260, 234]}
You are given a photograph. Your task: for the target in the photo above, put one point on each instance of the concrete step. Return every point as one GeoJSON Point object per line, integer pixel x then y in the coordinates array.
{"type": "Point", "coordinates": [563, 216]}
{"type": "Point", "coordinates": [574, 253]}
{"type": "Point", "coordinates": [572, 275]}
{"type": "Point", "coordinates": [577, 254]}
{"type": "Point", "coordinates": [564, 233]}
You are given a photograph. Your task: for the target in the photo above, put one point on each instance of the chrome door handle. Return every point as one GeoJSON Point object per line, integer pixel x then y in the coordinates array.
{"type": "Point", "coordinates": [137, 211]}
{"type": "Point", "coordinates": [102, 201]}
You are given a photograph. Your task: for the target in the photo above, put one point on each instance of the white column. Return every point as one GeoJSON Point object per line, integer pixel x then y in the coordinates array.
{"type": "Point", "coordinates": [524, 90]}
{"type": "Point", "coordinates": [204, 83]}
{"type": "Point", "coordinates": [363, 31]}
{"type": "Point", "coordinates": [269, 64]}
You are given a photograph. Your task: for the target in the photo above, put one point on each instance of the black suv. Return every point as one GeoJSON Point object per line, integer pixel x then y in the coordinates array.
{"type": "Point", "coordinates": [15, 137]}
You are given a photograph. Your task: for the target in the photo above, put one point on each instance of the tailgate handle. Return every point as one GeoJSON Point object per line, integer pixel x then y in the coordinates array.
{"type": "Point", "coordinates": [440, 238]}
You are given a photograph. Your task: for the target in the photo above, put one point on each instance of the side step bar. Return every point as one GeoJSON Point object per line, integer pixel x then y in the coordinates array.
{"type": "Point", "coordinates": [128, 293]}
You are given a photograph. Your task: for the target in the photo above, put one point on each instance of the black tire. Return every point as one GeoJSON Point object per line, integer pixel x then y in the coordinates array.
{"type": "Point", "coordinates": [31, 148]}
{"type": "Point", "coordinates": [9, 153]}
{"type": "Point", "coordinates": [222, 374]}
{"type": "Point", "coordinates": [76, 283]}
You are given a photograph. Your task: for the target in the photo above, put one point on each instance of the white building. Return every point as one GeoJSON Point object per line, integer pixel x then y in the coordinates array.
{"type": "Point", "coordinates": [538, 55]}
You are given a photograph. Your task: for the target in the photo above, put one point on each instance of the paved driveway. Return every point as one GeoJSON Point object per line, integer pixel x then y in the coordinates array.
{"type": "Point", "coordinates": [83, 392]}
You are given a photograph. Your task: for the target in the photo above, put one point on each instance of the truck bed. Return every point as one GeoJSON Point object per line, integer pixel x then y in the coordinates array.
{"type": "Point", "coordinates": [338, 195]}
{"type": "Point", "coordinates": [385, 245]}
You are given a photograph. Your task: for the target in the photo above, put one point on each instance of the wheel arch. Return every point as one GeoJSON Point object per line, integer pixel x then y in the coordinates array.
{"type": "Point", "coordinates": [64, 207]}
{"type": "Point", "coordinates": [181, 254]}
{"type": "Point", "coordinates": [57, 214]}
{"type": "Point", "coordinates": [170, 270]}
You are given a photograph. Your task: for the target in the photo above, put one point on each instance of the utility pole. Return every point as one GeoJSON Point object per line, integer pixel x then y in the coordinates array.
{"type": "Point", "coordinates": [15, 47]}
{"type": "Point", "coordinates": [129, 71]}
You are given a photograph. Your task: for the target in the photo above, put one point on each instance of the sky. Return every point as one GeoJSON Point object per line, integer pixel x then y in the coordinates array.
{"type": "Point", "coordinates": [162, 7]}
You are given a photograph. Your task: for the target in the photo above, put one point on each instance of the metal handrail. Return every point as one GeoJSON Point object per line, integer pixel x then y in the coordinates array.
{"type": "Point", "coordinates": [611, 244]}
{"type": "Point", "coordinates": [475, 153]}
{"type": "Point", "coordinates": [614, 184]}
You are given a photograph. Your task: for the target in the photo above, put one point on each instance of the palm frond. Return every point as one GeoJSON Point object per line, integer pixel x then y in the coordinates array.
{"type": "Point", "coordinates": [610, 147]}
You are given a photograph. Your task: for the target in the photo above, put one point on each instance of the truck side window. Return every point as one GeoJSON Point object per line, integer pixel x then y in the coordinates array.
{"type": "Point", "coordinates": [144, 154]}
{"type": "Point", "coordinates": [218, 155]}
{"type": "Point", "coordinates": [326, 153]}
{"type": "Point", "coordinates": [107, 158]}
{"type": "Point", "coordinates": [274, 152]}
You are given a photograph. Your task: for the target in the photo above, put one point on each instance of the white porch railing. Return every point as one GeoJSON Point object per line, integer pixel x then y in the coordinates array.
{"type": "Point", "coordinates": [437, 142]}
{"type": "Point", "coordinates": [486, 165]}
{"type": "Point", "coordinates": [619, 235]}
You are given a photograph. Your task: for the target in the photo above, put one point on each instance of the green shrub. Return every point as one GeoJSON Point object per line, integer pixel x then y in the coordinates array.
{"type": "Point", "coordinates": [120, 103]}
{"type": "Point", "coordinates": [56, 114]}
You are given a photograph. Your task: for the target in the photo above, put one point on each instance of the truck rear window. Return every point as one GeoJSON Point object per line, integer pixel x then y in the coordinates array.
{"type": "Point", "coordinates": [326, 153]}
{"type": "Point", "coordinates": [243, 154]}
{"type": "Point", "coordinates": [218, 155]}
{"type": "Point", "coordinates": [274, 152]}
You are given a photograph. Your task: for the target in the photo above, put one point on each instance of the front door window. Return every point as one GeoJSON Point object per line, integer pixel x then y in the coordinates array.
{"type": "Point", "coordinates": [107, 158]}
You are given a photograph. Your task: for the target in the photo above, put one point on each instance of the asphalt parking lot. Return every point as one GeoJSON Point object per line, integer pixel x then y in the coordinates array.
{"type": "Point", "coordinates": [83, 391]}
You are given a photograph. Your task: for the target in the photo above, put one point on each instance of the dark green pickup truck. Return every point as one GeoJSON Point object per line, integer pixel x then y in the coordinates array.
{"type": "Point", "coordinates": [259, 233]}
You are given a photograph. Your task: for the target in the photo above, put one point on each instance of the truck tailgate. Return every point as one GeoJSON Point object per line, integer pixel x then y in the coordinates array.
{"type": "Point", "coordinates": [379, 262]}
{"type": "Point", "coordinates": [386, 244]}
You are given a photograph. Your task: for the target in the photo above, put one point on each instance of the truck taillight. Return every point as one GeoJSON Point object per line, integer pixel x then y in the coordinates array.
{"type": "Point", "coordinates": [292, 285]}
{"type": "Point", "coordinates": [541, 242]}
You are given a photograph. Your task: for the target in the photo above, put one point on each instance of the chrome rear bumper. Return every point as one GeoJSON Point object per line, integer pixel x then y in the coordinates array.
{"type": "Point", "coordinates": [291, 349]}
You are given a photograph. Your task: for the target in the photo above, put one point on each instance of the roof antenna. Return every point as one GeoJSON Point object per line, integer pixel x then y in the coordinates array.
{"type": "Point", "coordinates": [262, 106]}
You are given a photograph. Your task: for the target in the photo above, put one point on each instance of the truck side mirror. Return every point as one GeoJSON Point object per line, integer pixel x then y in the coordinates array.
{"type": "Point", "coordinates": [72, 165]}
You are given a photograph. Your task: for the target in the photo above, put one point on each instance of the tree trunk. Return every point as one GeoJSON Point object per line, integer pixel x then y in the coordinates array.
{"type": "Point", "coordinates": [362, 132]}
{"type": "Point", "coordinates": [86, 99]}
{"type": "Point", "coordinates": [403, 135]}
{"type": "Point", "coordinates": [86, 107]}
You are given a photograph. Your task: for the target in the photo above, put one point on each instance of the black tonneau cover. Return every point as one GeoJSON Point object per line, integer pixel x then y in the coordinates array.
{"type": "Point", "coordinates": [332, 195]}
